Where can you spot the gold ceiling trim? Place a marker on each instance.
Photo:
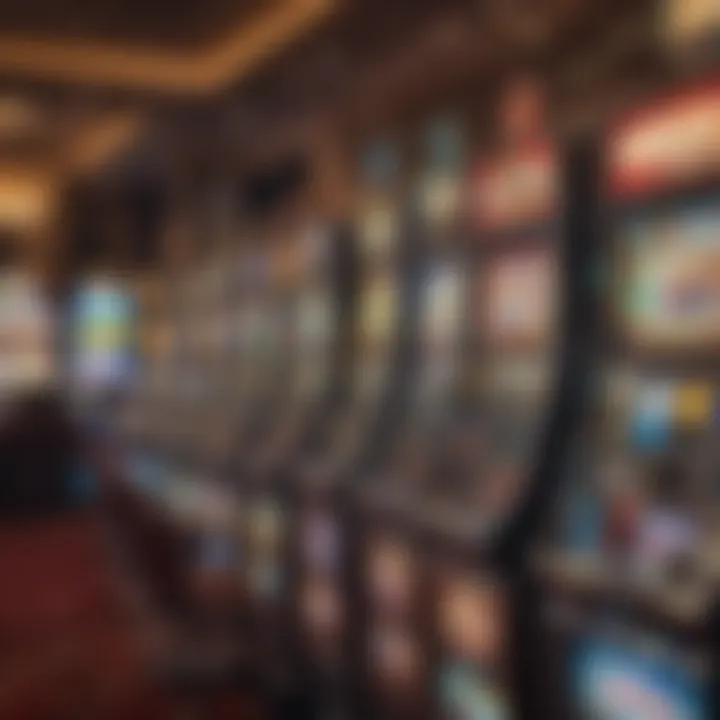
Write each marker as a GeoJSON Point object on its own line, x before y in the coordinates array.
{"type": "Point", "coordinates": [190, 72]}
{"type": "Point", "coordinates": [103, 140]}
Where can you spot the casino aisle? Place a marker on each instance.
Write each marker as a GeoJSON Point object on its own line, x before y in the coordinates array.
{"type": "Point", "coordinates": [358, 360]}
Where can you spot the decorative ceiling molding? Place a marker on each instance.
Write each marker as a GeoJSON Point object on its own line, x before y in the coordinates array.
{"type": "Point", "coordinates": [96, 145]}
{"type": "Point", "coordinates": [191, 72]}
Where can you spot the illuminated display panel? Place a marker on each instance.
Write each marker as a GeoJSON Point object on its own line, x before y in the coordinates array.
{"type": "Point", "coordinates": [103, 348]}
{"type": "Point", "coordinates": [638, 502]}
{"type": "Point", "coordinates": [668, 143]}
{"type": "Point", "coordinates": [266, 526]}
{"type": "Point", "coordinates": [396, 656]}
{"type": "Point", "coordinates": [321, 541]}
{"type": "Point", "coordinates": [472, 618]}
{"type": "Point", "coordinates": [391, 574]}
{"type": "Point", "coordinates": [444, 299]}
{"type": "Point", "coordinates": [441, 331]}
{"type": "Point", "coordinates": [616, 682]}
{"type": "Point", "coordinates": [314, 334]}
{"type": "Point", "coordinates": [323, 610]}
{"type": "Point", "coordinates": [671, 279]}
{"type": "Point", "coordinates": [518, 295]}
{"type": "Point", "coordinates": [378, 229]}
{"type": "Point", "coordinates": [515, 192]}
{"type": "Point", "coordinates": [379, 310]}
{"type": "Point", "coordinates": [441, 198]}
{"type": "Point", "coordinates": [314, 319]}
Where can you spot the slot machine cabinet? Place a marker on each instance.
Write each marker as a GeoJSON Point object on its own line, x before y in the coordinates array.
{"type": "Point", "coordinates": [494, 447]}
{"type": "Point", "coordinates": [144, 441]}
{"type": "Point", "coordinates": [272, 351]}
{"type": "Point", "coordinates": [307, 263]}
{"type": "Point", "coordinates": [394, 645]}
{"type": "Point", "coordinates": [248, 339]}
{"type": "Point", "coordinates": [264, 517]}
{"type": "Point", "coordinates": [456, 610]}
{"type": "Point", "coordinates": [252, 333]}
{"type": "Point", "coordinates": [628, 559]}
{"type": "Point", "coordinates": [323, 550]}
{"type": "Point", "coordinates": [211, 531]}
{"type": "Point", "coordinates": [312, 262]}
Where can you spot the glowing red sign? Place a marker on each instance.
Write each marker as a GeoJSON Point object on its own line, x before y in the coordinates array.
{"type": "Point", "coordinates": [671, 142]}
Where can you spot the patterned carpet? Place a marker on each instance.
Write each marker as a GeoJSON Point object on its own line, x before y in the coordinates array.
{"type": "Point", "coordinates": [69, 647]}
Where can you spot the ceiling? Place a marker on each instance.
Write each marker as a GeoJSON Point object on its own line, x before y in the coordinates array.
{"type": "Point", "coordinates": [82, 80]}
{"type": "Point", "coordinates": [171, 25]}
{"type": "Point", "coordinates": [85, 82]}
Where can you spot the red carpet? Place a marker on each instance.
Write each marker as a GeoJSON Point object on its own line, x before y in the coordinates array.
{"type": "Point", "coordinates": [68, 649]}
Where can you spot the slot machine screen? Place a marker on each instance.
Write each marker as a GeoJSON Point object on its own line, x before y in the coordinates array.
{"type": "Point", "coordinates": [378, 230]}
{"type": "Point", "coordinates": [392, 576]}
{"type": "Point", "coordinates": [266, 532]}
{"type": "Point", "coordinates": [614, 681]}
{"type": "Point", "coordinates": [103, 321]}
{"type": "Point", "coordinates": [396, 656]}
{"type": "Point", "coordinates": [322, 603]}
{"type": "Point", "coordinates": [516, 193]}
{"type": "Point", "coordinates": [444, 297]}
{"type": "Point", "coordinates": [315, 319]}
{"type": "Point", "coordinates": [671, 280]}
{"type": "Point", "coordinates": [379, 310]}
{"type": "Point", "coordinates": [314, 324]}
{"type": "Point", "coordinates": [321, 541]}
{"type": "Point", "coordinates": [272, 330]}
{"type": "Point", "coordinates": [378, 313]}
{"type": "Point", "coordinates": [323, 609]}
{"type": "Point", "coordinates": [472, 618]}
{"type": "Point", "coordinates": [518, 293]}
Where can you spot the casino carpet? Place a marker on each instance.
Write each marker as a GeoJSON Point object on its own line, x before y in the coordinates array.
{"type": "Point", "coordinates": [69, 646]}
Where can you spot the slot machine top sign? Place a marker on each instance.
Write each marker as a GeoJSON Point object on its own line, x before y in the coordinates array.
{"type": "Point", "coordinates": [378, 223]}
{"type": "Point", "coordinates": [668, 143]}
{"type": "Point", "coordinates": [519, 186]}
{"type": "Point", "coordinates": [441, 187]}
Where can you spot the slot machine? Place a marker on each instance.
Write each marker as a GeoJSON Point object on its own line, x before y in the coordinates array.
{"type": "Point", "coordinates": [306, 273]}
{"type": "Point", "coordinates": [268, 334]}
{"type": "Point", "coordinates": [628, 560]}
{"type": "Point", "coordinates": [310, 261]}
{"type": "Point", "coordinates": [393, 648]}
{"type": "Point", "coordinates": [441, 590]}
{"type": "Point", "coordinates": [210, 508]}
{"type": "Point", "coordinates": [142, 441]}
{"type": "Point", "coordinates": [267, 343]}
{"type": "Point", "coordinates": [322, 553]}
{"type": "Point", "coordinates": [497, 438]}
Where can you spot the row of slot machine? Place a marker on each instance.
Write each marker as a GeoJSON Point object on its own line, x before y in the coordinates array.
{"type": "Point", "coordinates": [224, 344]}
{"type": "Point", "coordinates": [423, 513]}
